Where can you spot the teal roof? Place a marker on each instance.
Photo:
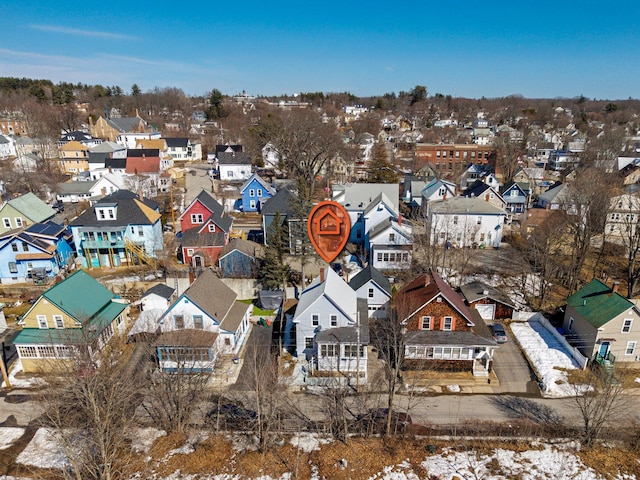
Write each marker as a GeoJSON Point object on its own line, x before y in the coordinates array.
{"type": "Point", "coordinates": [32, 207]}
{"type": "Point", "coordinates": [71, 336]}
{"type": "Point", "coordinates": [598, 304]}
{"type": "Point", "coordinates": [80, 295]}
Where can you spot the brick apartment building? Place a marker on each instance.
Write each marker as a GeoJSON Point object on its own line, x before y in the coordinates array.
{"type": "Point", "coordinates": [451, 160]}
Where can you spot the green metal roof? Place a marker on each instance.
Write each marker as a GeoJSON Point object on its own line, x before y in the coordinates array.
{"type": "Point", "coordinates": [80, 295]}
{"type": "Point", "coordinates": [32, 207]}
{"type": "Point", "coordinates": [71, 336]}
{"type": "Point", "coordinates": [597, 303]}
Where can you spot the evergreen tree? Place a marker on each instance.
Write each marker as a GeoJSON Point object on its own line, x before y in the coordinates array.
{"type": "Point", "coordinates": [274, 271]}
{"type": "Point", "coordinates": [380, 170]}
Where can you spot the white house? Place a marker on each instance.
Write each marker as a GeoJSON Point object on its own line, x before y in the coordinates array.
{"type": "Point", "coordinates": [389, 245]}
{"type": "Point", "coordinates": [332, 327]}
{"type": "Point", "coordinates": [372, 286]}
{"type": "Point", "coordinates": [74, 192]}
{"type": "Point", "coordinates": [27, 163]}
{"type": "Point", "coordinates": [7, 146]}
{"type": "Point", "coordinates": [204, 322]}
{"type": "Point", "coordinates": [184, 149]}
{"type": "Point", "coordinates": [466, 222]}
{"type": "Point", "coordinates": [234, 166]}
{"type": "Point", "coordinates": [622, 220]}
{"type": "Point", "coordinates": [131, 139]}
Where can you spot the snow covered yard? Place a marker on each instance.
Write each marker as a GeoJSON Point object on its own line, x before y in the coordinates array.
{"type": "Point", "coordinates": [547, 356]}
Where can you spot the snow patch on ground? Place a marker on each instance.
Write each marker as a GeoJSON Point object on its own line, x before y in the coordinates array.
{"type": "Point", "coordinates": [308, 442]}
{"type": "Point", "coordinates": [10, 435]}
{"type": "Point", "coordinates": [547, 463]}
{"type": "Point", "coordinates": [44, 451]}
{"type": "Point", "coordinates": [143, 438]}
{"type": "Point", "coordinates": [453, 388]}
{"type": "Point", "coordinates": [16, 368]}
{"type": "Point", "coordinates": [547, 355]}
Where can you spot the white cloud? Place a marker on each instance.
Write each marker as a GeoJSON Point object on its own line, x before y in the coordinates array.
{"type": "Point", "coordinates": [84, 33]}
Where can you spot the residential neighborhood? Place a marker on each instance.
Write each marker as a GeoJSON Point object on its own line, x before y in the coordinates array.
{"type": "Point", "coordinates": [488, 253]}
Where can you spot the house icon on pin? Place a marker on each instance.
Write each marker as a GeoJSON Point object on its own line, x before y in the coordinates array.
{"type": "Point", "coordinates": [328, 223]}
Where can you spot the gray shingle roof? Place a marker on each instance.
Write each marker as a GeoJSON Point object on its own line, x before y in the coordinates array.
{"type": "Point", "coordinates": [162, 290]}
{"type": "Point", "coordinates": [370, 273]}
{"type": "Point", "coordinates": [474, 291]}
{"type": "Point", "coordinates": [449, 338]}
{"type": "Point", "coordinates": [280, 202]}
{"type": "Point", "coordinates": [464, 205]}
{"type": "Point", "coordinates": [234, 158]}
{"type": "Point", "coordinates": [211, 294]}
{"type": "Point", "coordinates": [129, 212]}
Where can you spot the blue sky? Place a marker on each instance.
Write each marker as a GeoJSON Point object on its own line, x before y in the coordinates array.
{"type": "Point", "coordinates": [463, 48]}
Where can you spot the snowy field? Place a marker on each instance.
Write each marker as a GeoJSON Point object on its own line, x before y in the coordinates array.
{"type": "Point", "coordinates": [547, 355]}
{"type": "Point", "coordinates": [542, 462]}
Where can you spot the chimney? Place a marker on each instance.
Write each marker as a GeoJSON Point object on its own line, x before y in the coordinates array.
{"type": "Point", "coordinates": [321, 275]}
{"type": "Point", "coordinates": [615, 286]}
{"type": "Point", "coordinates": [400, 220]}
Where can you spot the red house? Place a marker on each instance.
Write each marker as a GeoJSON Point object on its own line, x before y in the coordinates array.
{"type": "Point", "coordinates": [205, 231]}
{"type": "Point", "coordinates": [199, 210]}
{"type": "Point", "coordinates": [441, 330]}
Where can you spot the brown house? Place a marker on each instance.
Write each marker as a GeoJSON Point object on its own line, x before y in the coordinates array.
{"type": "Point", "coordinates": [441, 330]}
{"type": "Point", "coordinates": [490, 302]}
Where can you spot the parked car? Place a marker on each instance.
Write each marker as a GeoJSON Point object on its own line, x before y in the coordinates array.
{"type": "Point", "coordinates": [232, 412]}
{"type": "Point", "coordinates": [499, 334]}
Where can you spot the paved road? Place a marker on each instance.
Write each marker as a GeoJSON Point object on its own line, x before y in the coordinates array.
{"type": "Point", "coordinates": [198, 182]}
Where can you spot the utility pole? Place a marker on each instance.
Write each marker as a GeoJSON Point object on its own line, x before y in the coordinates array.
{"type": "Point", "coordinates": [4, 369]}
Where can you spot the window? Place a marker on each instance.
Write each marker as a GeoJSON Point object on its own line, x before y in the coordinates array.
{"type": "Point", "coordinates": [25, 247]}
{"type": "Point", "coordinates": [28, 352]}
{"type": "Point", "coordinates": [334, 320]}
{"type": "Point", "coordinates": [447, 324]}
{"type": "Point", "coordinates": [13, 267]}
{"type": "Point", "coordinates": [626, 326]}
{"type": "Point", "coordinates": [426, 323]}
{"type": "Point", "coordinates": [14, 247]}
{"type": "Point", "coordinates": [140, 231]}
{"type": "Point", "coordinates": [6, 222]}
{"type": "Point", "coordinates": [42, 321]}
{"type": "Point", "coordinates": [329, 350]}
{"type": "Point", "coordinates": [455, 219]}
{"type": "Point", "coordinates": [315, 320]}
{"type": "Point", "coordinates": [252, 192]}
{"type": "Point", "coordinates": [58, 321]}
{"type": "Point", "coordinates": [197, 218]}
{"type": "Point", "coordinates": [570, 325]}
{"type": "Point", "coordinates": [392, 237]}
{"type": "Point", "coordinates": [631, 348]}
{"type": "Point", "coordinates": [101, 214]}
{"type": "Point", "coordinates": [379, 256]}
{"type": "Point", "coordinates": [308, 342]}
{"type": "Point", "coordinates": [259, 192]}
{"type": "Point", "coordinates": [479, 222]}
{"type": "Point", "coordinates": [212, 228]}
{"type": "Point", "coordinates": [179, 319]}
{"type": "Point", "coordinates": [18, 221]}
{"type": "Point", "coordinates": [252, 204]}
{"type": "Point", "coordinates": [111, 213]}
{"type": "Point", "coordinates": [371, 293]}
{"type": "Point", "coordinates": [198, 322]}
{"type": "Point", "coordinates": [350, 350]}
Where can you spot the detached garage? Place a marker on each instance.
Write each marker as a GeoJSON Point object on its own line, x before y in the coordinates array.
{"type": "Point", "coordinates": [491, 303]}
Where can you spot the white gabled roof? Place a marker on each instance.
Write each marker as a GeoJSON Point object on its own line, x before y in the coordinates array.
{"type": "Point", "coordinates": [336, 290]}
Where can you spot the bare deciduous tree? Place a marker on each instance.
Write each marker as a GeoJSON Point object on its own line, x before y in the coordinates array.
{"type": "Point", "coordinates": [91, 408]}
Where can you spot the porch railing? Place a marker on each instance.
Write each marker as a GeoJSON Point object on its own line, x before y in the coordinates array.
{"type": "Point", "coordinates": [607, 359]}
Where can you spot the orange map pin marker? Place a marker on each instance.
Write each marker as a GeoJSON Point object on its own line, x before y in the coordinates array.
{"type": "Point", "coordinates": [328, 226]}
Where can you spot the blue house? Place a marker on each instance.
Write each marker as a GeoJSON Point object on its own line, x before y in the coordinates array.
{"type": "Point", "coordinates": [516, 195]}
{"type": "Point", "coordinates": [255, 191]}
{"type": "Point", "coordinates": [238, 259]}
{"type": "Point", "coordinates": [122, 228]}
{"type": "Point", "coordinates": [37, 253]}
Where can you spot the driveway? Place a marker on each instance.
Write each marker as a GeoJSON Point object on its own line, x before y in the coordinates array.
{"type": "Point", "coordinates": [512, 369]}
